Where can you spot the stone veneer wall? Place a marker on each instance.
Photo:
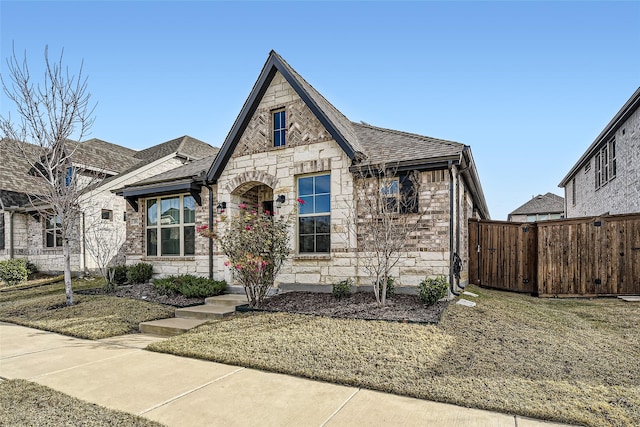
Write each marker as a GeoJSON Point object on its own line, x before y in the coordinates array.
{"type": "Point", "coordinates": [618, 196]}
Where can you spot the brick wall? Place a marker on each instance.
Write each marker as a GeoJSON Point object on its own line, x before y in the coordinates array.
{"type": "Point", "coordinates": [620, 195]}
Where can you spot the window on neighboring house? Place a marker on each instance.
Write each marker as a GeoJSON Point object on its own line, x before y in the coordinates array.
{"type": "Point", "coordinates": [279, 128]}
{"type": "Point", "coordinates": [573, 191]}
{"type": "Point", "coordinates": [606, 167]}
{"type": "Point", "coordinates": [1, 230]}
{"type": "Point", "coordinates": [53, 231]}
{"type": "Point", "coordinates": [170, 226]}
{"type": "Point", "coordinates": [107, 214]}
{"type": "Point", "coordinates": [314, 214]}
{"type": "Point", "coordinates": [68, 178]}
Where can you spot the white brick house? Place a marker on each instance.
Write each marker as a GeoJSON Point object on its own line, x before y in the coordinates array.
{"type": "Point", "coordinates": [606, 178]}
{"type": "Point", "coordinates": [24, 233]}
{"type": "Point", "coordinates": [289, 142]}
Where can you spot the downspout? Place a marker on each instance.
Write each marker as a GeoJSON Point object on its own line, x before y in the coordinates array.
{"type": "Point", "coordinates": [210, 228]}
{"type": "Point", "coordinates": [451, 224]}
{"type": "Point", "coordinates": [11, 250]}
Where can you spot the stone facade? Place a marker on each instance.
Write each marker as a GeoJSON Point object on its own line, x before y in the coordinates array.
{"type": "Point", "coordinates": [622, 193]}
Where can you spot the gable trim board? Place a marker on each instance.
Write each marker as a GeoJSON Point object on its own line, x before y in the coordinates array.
{"type": "Point", "coordinates": [275, 63]}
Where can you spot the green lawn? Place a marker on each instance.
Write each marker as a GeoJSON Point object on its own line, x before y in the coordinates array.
{"type": "Point", "coordinates": [571, 361]}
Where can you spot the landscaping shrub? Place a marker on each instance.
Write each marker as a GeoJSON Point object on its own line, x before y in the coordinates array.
{"type": "Point", "coordinates": [13, 271]}
{"type": "Point", "coordinates": [120, 274]}
{"type": "Point", "coordinates": [342, 288]}
{"type": "Point", "coordinates": [190, 286]}
{"type": "Point", "coordinates": [31, 269]}
{"type": "Point", "coordinates": [431, 290]}
{"type": "Point", "coordinates": [140, 272]}
{"type": "Point", "coordinates": [391, 288]}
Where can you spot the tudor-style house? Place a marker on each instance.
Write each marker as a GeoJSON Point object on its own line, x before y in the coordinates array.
{"type": "Point", "coordinates": [606, 178]}
{"type": "Point", "coordinates": [289, 143]}
{"type": "Point", "coordinates": [26, 233]}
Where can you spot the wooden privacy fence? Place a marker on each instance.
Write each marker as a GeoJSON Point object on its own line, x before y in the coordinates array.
{"type": "Point", "coordinates": [595, 256]}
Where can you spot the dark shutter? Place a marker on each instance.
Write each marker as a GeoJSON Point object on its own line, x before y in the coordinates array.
{"type": "Point", "coordinates": [408, 196]}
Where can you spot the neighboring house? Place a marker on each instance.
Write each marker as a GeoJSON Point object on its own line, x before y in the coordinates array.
{"type": "Point", "coordinates": [26, 234]}
{"type": "Point", "coordinates": [606, 179]}
{"type": "Point", "coordinates": [288, 142]}
{"type": "Point", "coordinates": [539, 208]}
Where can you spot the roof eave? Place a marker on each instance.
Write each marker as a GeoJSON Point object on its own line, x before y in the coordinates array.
{"type": "Point", "coordinates": [612, 127]}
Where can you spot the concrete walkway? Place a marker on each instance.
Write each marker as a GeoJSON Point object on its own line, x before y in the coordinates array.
{"type": "Point", "coordinates": [117, 373]}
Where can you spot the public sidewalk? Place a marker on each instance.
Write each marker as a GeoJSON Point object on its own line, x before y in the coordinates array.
{"type": "Point", "coordinates": [117, 373]}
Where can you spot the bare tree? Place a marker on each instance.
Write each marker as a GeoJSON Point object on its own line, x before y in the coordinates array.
{"type": "Point", "coordinates": [103, 242]}
{"type": "Point", "coordinates": [51, 113]}
{"type": "Point", "coordinates": [385, 216]}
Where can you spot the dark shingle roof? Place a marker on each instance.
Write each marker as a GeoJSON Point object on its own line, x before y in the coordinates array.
{"type": "Point", "coordinates": [14, 169]}
{"type": "Point", "coordinates": [386, 145]}
{"type": "Point", "coordinates": [541, 204]}
{"type": "Point", "coordinates": [189, 170]}
{"type": "Point", "coordinates": [185, 145]}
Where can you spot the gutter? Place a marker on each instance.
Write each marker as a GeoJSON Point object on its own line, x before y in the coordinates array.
{"type": "Point", "coordinates": [451, 224]}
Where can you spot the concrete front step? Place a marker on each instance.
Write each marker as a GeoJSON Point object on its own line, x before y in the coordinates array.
{"type": "Point", "coordinates": [169, 327]}
{"type": "Point", "coordinates": [233, 300]}
{"type": "Point", "coordinates": [207, 311]}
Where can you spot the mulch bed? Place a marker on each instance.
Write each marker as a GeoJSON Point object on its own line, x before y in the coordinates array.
{"type": "Point", "coordinates": [359, 305]}
{"type": "Point", "coordinates": [147, 292]}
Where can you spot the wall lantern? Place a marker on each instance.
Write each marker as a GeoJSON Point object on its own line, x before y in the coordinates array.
{"type": "Point", "coordinates": [221, 207]}
{"type": "Point", "coordinates": [280, 200]}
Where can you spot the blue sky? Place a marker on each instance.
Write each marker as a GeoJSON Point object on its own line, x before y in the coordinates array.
{"type": "Point", "coordinates": [528, 85]}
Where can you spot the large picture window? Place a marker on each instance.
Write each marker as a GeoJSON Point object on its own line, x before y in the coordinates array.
{"type": "Point", "coordinates": [52, 231]}
{"type": "Point", "coordinates": [314, 215]}
{"type": "Point", "coordinates": [170, 226]}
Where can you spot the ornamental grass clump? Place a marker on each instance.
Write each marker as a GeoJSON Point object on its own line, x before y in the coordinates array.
{"type": "Point", "coordinates": [256, 244]}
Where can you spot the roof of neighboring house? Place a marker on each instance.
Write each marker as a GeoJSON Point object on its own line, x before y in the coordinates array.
{"type": "Point", "coordinates": [186, 146]}
{"type": "Point", "coordinates": [541, 204]}
{"type": "Point", "coordinates": [612, 127]}
{"type": "Point", "coordinates": [16, 181]}
{"type": "Point", "coordinates": [196, 168]}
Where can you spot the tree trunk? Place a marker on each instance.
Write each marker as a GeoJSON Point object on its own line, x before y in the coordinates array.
{"type": "Point", "coordinates": [67, 272]}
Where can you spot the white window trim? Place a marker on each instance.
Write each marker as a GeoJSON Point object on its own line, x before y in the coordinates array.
{"type": "Point", "coordinates": [54, 230]}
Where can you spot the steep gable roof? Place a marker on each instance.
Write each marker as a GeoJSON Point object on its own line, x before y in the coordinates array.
{"type": "Point", "coordinates": [338, 126]}
{"type": "Point", "coordinates": [547, 203]}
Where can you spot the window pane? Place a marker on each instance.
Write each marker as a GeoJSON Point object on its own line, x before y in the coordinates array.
{"type": "Point", "coordinates": [170, 211]}
{"type": "Point", "coordinates": [306, 225]}
{"type": "Point", "coordinates": [305, 186]}
{"type": "Point", "coordinates": [189, 210]}
{"type": "Point", "coordinates": [152, 212]}
{"type": "Point", "coordinates": [323, 184]}
{"type": "Point", "coordinates": [58, 222]}
{"type": "Point", "coordinates": [152, 242]}
{"type": "Point", "coordinates": [170, 242]}
{"type": "Point", "coordinates": [49, 223]}
{"type": "Point", "coordinates": [276, 139]}
{"type": "Point", "coordinates": [49, 237]}
{"type": "Point", "coordinates": [59, 238]}
{"type": "Point", "coordinates": [323, 224]}
{"type": "Point", "coordinates": [189, 240]}
{"type": "Point", "coordinates": [323, 203]}
{"type": "Point", "coordinates": [307, 206]}
{"type": "Point", "coordinates": [306, 244]}
{"type": "Point", "coordinates": [323, 243]}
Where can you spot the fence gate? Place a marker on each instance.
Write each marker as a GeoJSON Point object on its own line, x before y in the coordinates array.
{"type": "Point", "coordinates": [503, 255]}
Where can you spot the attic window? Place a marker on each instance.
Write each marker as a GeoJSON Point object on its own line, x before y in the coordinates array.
{"type": "Point", "coordinates": [107, 214]}
{"type": "Point", "coordinates": [279, 128]}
